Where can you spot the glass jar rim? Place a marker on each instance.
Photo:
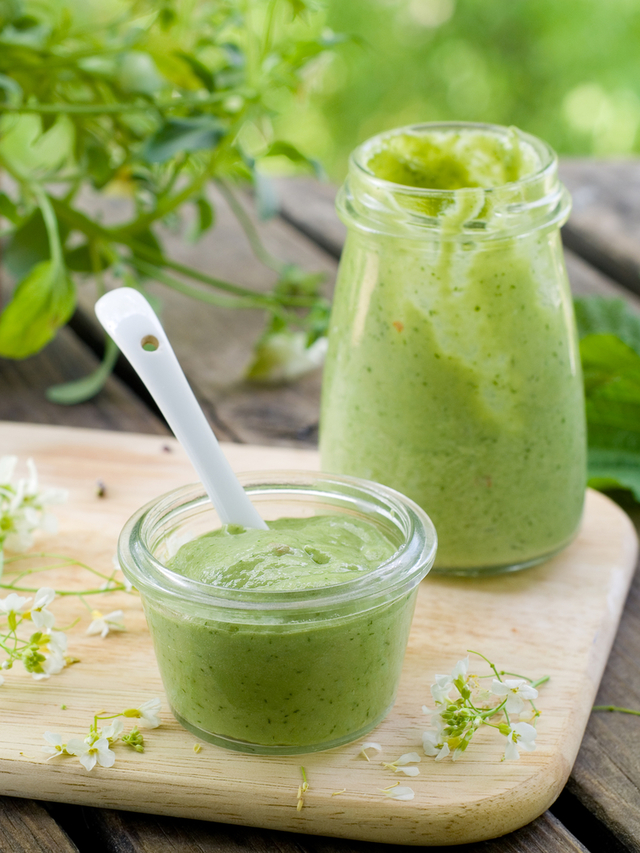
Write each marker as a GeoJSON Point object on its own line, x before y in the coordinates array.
{"type": "Point", "coordinates": [548, 157]}
{"type": "Point", "coordinates": [538, 201]}
{"type": "Point", "coordinates": [400, 573]}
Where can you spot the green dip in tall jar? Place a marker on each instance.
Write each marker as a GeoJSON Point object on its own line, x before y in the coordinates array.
{"type": "Point", "coordinates": [453, 373]}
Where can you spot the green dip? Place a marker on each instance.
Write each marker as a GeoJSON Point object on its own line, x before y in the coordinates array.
{"type": "Point", "coordinates": [305, 681]}
{"type": "Point", "coordinates": [452, 373]}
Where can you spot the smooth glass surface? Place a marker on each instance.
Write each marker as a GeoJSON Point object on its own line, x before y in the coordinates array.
{"type": "Point", "coordinates": [453, 373]}
{"type": "Point", "coordinates": [282, 672]}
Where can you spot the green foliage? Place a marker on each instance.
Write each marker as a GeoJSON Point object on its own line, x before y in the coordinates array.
{"type": "Point", "coordinates": [566, 71]}
{"type": "Point", "coordinates": [610, 353]}
{"type": "Point", "coordinates": [42, 302]}
{"type": "Point", "coordinates": [152, 100]}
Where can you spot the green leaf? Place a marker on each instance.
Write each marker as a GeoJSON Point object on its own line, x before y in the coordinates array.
{"type": "Point", "coordinates": [205, 217]}
{"type": "Point", "coordinates": [88, 386]}
{"type": "Point", "coordinates": [610, 353]}
{"type": "Point", "coordinates": [9, 209]}
{"type": "Point", "coordinates": [32, 153]}
{"type": "Point", "coordinates": [610, 468]}
{"type": "Point", "coordinates": [41, 303]}
{"type": "Point", "coordinates": [11, 90]}
{"type": "Point", "coordinates": [598, 315]}
{"type": "Point", "coordinates": [80, 260]}
{"type": "Point", "coordinates": [27, 246]}
{"type": "Point", "coordinates": [294, 155]}
{"type": "Point", "coordinates": [185, 134]}
{"type": "Point", "coordinates": [200, 70]}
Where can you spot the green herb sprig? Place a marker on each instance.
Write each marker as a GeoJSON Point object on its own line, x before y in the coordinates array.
{"type": "Point", "coordinates": [151, 99]}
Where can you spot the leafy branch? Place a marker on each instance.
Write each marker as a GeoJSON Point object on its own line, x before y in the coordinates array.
{"type": "Point", "coordinates": [156, 104]}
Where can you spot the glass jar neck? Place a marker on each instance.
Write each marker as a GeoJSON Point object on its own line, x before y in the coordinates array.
{"type": "Point", "coordinates": [535, 200]}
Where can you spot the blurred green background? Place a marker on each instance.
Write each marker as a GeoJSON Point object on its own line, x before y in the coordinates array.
{"type": "Point", "coordinates": [565, 70]}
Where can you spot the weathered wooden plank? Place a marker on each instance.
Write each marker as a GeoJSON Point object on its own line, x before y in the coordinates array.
{"type": "Point", "coordinates": [23, 385]}
{"type": "Point", "coordinates": [214, 344]}
{"type": "Point", "coordinates": [25, 827]}
{"type": "Point", "coordinates": [309, 206]}
{"type": "Point", "coordinates": [606, 775]}
{"type": "Point", "coordinates": [604, 227]}
{"type": "Point", "coordinates": [122, 832]}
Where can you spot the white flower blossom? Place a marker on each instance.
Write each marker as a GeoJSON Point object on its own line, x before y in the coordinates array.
{"type": "Point", "coordinates": [400, 764]}
{"type": "Point", "coordinates": [103, 624]}
{"type": "Point", "coordinates": [42, 618]}
{"type": "Point", "coordinates": [283, 356]}
{"type": "Point", "coordinates": [441, 689]}
{"type": "Point", "coordinates": [400, 792]}
{"type": "Point", "coordinates": [516, 690]}
{"type": "Point", "coordinates": [521, 735]}
{"type": "Point", "coordinates": [369, 745]}
{"type": "Point", "coordinates": [147, 713]}
{"type": "Point", "coordinates": [23, 506]}
{"type": "Point", "coordinates": [90, 754]}
{"type": "Point", "coordinates": [55, 745]}
{"type": "Point", "coordinates": [113, 731]}
{"type": "Point", "coordinates": [13, 603]}
{"type": "Point", "coordinates": [54, 648]}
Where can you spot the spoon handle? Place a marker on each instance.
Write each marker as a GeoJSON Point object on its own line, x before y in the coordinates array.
{"type": "Point", "coordinates": [132, 323]}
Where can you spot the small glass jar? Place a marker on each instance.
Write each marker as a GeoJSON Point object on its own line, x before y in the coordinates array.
{"type": "Point", "coordinates": [279, 673]}
{"type": "Point", "coordinates": [453, 373]}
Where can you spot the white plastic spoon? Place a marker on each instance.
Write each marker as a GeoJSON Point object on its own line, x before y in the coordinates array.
{"type": "Point", "coordinates": [132, 323]}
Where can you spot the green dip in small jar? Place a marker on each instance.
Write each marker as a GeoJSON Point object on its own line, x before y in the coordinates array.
{"type": "Point", "coordinates": [289, 640]}
{"type": "Point", "coordinates": [453, 373]}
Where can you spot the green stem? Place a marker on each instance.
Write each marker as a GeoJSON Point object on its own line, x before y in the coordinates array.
{"type": "Point", "coordinates": [616, 708]}
{"type": "Point", "coordinates": [51, 224]}
{"type": "Point", "coordinates": [117, 108]}
{"type": "Point", "coordinates": [203, 295]}
{"type": "Point", "coordinates": [251, 232]}
{"type": "Point", "coordinates": [471, 652]}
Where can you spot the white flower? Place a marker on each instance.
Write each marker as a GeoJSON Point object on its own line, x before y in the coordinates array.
{"type": "Point", "coordinates": [56, 746]}
{"type": "Point", "coordinates": [435, 745]}
{"type": "Point", "coordinates": [113, 731]}
{"type": "Point", "coordinates": [461, 668]}
{"type": "Point", "coordinates": [400, 792]}
{"type": "Point", "coordinates": [23, 507]}
{"type": "Point", "coordinates": [283, 356]}
{"type": "Point", "coordinates": [516, 690]}
{"type": "Point", "coordinates": [399, 766]}
{"type": "Point", "coordinates": [90, 754]}
{"type": "Point", "coordinates": [13, 603]}
{"type": "Point", "coordinates": [7, 467]}
{"type": "Point", "coordinates": [520, 735]}
{"type": "Point", "coordinates": [440, 690]}
{"type": "Point", "coordinates": [369, 745]}
{"type": "Point", "coordinates": [55, 648]}
{"type": "Point", "coordinates": [40, 616]}
{"type": "Point", "coordinates": [103, 624]}
{"type": "Point", "coordinates": [147, 713]}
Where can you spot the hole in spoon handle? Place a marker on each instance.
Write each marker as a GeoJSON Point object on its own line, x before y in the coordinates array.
{"type": "Point", "coordinates": [149, 343]}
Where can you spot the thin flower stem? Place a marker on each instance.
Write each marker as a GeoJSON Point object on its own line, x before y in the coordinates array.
{"type": "Point", "coordinates": [64, 592]}
{"type": "Point", "coordinates": [616, 708]}
{"type": "Point", "coordinates": [471, 652]}
{"type": "Point", "coordinates": [540, 681]}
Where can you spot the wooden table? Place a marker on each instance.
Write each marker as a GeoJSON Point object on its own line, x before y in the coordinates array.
{"type": "Point", "coordinates": [599, 810]}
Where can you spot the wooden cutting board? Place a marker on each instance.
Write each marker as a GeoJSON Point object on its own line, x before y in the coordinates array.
{"type": "Point", "coordinates": [558, 619]}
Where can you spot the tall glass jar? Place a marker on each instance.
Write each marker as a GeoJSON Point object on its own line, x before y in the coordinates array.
{"type": "Point", "coordinates": [453, 373]}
